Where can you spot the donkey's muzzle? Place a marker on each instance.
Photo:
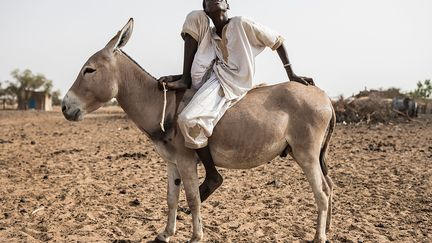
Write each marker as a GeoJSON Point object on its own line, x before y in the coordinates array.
{"type": "Point", "coordinates": [71, 114]}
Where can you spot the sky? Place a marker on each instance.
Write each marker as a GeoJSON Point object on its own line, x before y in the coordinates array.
{"type": "Point", "coordinates": [345, 45]}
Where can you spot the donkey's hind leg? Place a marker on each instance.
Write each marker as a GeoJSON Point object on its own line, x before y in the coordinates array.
{"type": "Point", "coordinates": [329, 210]}
{"type": "Point", "coordinates": [321, 190]}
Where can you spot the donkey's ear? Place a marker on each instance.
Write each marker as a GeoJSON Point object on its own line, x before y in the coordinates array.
{"type": "Point", "coordinates": [122, 36]}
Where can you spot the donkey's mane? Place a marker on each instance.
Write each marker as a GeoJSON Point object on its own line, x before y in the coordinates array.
{"type": "Point", "coordinates": [136, 63]}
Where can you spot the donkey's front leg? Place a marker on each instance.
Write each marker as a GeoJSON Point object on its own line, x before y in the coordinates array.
{"type": "Point", "coordinates": [189, 174]}
{"type": "Point", "coordinates": [172, 198]}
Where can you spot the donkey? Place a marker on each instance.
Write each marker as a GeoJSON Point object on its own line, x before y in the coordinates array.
{"type": "Point", "coordinates": [288, 118]}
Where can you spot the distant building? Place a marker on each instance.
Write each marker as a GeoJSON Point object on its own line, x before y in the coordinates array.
{"type": "Point", "coordinates": [39, 100]}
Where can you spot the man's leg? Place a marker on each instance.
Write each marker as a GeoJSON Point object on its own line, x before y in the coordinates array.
{"type": "Point", "coordinates": [196, 122]}
{"type": "Point", "coordinates": [213, 179]}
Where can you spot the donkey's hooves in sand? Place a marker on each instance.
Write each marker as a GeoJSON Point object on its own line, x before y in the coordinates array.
{"type": "Point", "coordinates": [157, 241]}
{"type": "Point", "coordinates": [312, 241]}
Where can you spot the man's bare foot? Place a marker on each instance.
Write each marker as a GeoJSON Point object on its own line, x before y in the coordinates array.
{"type": "Point", "coordinates": [210, 184]}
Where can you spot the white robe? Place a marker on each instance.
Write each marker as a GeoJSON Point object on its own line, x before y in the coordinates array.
{"type": "Point", "coordinates": [223, 70]}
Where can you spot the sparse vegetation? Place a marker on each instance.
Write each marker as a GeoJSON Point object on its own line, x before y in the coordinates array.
{"type": "Point", "coordinates": [423, 90]}
{"type": "Point", "coordinates": [389, 93]}
{"type": "Point", "coordinates": [2, 91]}
{"type": "Point", "coordinates": [56, 97]}
{"type": "Point", "coordinates": [383, 105]}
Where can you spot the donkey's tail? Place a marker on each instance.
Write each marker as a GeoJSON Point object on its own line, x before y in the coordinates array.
{"type": "Point", "coordinates": [324, 148]}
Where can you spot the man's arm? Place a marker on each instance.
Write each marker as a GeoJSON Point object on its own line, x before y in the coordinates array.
{"type": "Point", "coordinates": [183, 81]}
{"type": "Point", "coordinates": [281, 50]}
{"type": "Point", "coordinates": [190, 49]}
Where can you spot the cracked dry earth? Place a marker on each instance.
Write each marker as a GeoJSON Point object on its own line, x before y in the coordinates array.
{"type": "Point", "coordinates": [100, 180]}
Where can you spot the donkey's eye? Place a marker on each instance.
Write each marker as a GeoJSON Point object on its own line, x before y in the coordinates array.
{"type": "Point", "coordinates": [88, 70]}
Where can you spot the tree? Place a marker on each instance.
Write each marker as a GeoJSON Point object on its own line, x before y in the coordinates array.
{"type": "Point", "coordinates": [2, 91]}
{"type": "Point", "coordinates": [6, 96]}
{"type": "Point", "coordinates": [24, 83]}
{"type": "Point", "coordinates": [423, 90]}
{"type": "Point", "coordinates": [56, 97]}
{"type": "Point", "coordinates": [2, 94]}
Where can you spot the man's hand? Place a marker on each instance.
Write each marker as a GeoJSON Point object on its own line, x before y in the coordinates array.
{"type": "Point", "coordinates": [172, 82]}
{"type": "Point", "coordinates": [169, 78]}
{"type": "Point", "coordinates": [303, 80]}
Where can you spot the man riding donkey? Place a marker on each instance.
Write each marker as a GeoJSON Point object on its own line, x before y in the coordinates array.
{"type": "Point", "coordinates": [219, 62]}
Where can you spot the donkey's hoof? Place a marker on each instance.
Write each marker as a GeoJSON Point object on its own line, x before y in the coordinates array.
{"type": "Point", "coordinates": [314, 241]}
{"type": "Point", "coordinates": [157, 240]}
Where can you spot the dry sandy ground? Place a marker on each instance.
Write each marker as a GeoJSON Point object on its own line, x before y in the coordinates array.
{"type": "Point", "coordinates": [101, 181]}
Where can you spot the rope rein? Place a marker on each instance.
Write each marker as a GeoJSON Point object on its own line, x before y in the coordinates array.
{"type": "Point", "coordinates": [164, 107]}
